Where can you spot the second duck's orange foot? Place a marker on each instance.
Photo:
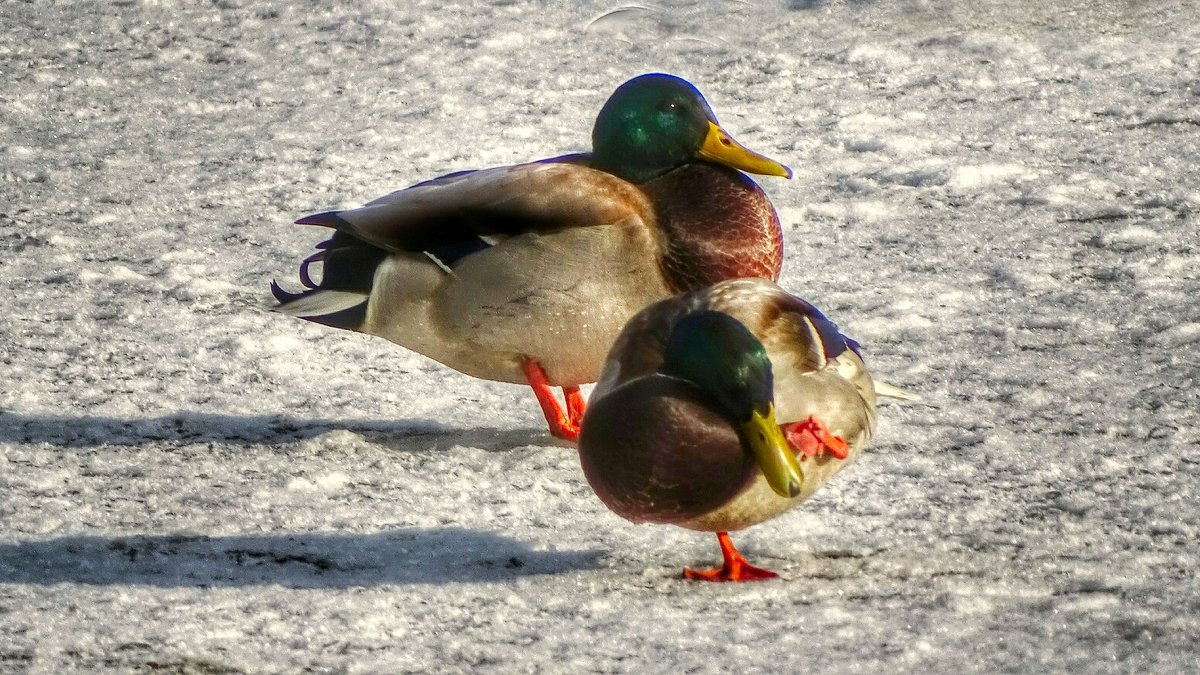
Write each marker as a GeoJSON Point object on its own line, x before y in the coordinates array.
{"type": "Point", "coordinates": [811, 437]}
{"type": "Point", "coordinates": [736, 568]}
{"type": "Point", "coordinates": [562, 424]}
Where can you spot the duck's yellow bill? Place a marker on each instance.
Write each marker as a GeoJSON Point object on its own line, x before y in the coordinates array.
{"type": "Point", "coordinates": [775, 457]}
{"type": "Point", "coordinates": [720, 147]}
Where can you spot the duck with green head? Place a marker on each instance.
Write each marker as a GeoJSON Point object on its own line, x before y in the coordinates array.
{"type": "Point", "coordinates": [722, 408]}
{"type": "Point", "coordinates": [526, 273]}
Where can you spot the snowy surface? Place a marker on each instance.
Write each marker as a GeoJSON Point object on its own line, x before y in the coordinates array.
{"type": "Point", "coordinates": [1000, 200]}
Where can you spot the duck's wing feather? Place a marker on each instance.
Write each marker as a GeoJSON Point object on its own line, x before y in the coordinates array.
{"type": "Point", "coordinates": [462, 212]}
{"type": "Point", "coordinates": [892, 391]}
{"type": "Point", "coordinates": [816, 341]}
{"type": "Point", "coordinates": [794, 324]}
{"type": "Point", "coordinates": [786, 324]}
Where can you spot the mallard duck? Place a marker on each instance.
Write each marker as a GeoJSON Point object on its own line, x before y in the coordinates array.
{"type": "Point", "coordinates": [526, 273]}
{"type": "Point", "coordinates": [723, 408]}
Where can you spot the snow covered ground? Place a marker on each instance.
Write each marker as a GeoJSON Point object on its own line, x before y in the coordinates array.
{"type": "Point", "coordinates": [1000, 200]}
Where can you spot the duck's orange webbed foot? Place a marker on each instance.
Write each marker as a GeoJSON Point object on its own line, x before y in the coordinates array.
{"type": "Point", "coordinates": [812, 438]}
{"type": "Point", "coordinates": [564, 425]}
{"type": "Point", "coordinates": [736, 568]}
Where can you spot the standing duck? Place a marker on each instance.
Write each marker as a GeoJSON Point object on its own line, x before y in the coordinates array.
{"type": "Point", "coordinates": [723, 408]}
{"type": "Point", "coordinates": [526, 273]}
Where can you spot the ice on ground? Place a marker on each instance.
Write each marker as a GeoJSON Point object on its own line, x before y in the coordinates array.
{"type": "Point", "coordinates": [999, 200]}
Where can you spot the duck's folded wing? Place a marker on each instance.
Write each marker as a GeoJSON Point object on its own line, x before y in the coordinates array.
{"type": "Point", "coordinates": [489, 205]}
{"type": "Point", "coordinates": [823, 342]}
{"type": "Point", "coordinates": [815, 339]}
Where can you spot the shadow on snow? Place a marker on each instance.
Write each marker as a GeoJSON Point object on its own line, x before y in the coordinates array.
{"type": "Point", "coordinates": [193, 427]}
{"type": "Point", "coordinates": [307, 560]}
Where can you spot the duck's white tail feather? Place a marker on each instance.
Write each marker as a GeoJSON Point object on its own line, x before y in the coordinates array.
{"type": "Point", "coordinates": [322, 303]}
{"type": "Point", "coordinates": [892, 391]}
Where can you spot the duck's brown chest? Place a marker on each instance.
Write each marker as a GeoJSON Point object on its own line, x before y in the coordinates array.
{"type": "Point", "coordinates": [718, 224]}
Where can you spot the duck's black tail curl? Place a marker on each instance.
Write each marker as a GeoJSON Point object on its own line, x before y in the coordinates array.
{"type": "Point", "coordinates": [340, 298]}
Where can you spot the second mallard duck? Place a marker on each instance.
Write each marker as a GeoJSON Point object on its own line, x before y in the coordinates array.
{"type": "Point", "coordinates": [526, 273]}
{"type": "Point", "coordinates": [723, 408]}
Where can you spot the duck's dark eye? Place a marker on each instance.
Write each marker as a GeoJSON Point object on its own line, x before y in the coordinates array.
{"type": "Point", "coordinates": [670, 108]}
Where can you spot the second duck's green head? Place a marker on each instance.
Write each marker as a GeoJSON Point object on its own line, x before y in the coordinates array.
{"type": "Point", "coordinates": [655, 123]}
{"type": "Point", "coordinates": [730, 367]}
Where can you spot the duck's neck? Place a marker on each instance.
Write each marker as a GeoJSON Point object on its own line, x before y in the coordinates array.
{"type": "Point", "coordinates": [719, 225]}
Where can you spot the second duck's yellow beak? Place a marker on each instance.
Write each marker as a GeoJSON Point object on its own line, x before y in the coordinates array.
{"type": "Point", "coordinates": [720, 147]}
{"type": "Point", "coordinates": [773, 453]}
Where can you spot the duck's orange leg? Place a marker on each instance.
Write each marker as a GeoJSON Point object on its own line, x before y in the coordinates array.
{"type": "Point", "coordinates": [575, 404]}
{"type": "Point", "coordinates": [735, 568]}
{"type": "Point", "coordinates": [811, 437]}
{"type": "Point", "coordinates": [562, 424]}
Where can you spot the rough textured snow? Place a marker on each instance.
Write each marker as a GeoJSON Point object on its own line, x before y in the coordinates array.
{"type": "Point", "coordinates": [999, 200]}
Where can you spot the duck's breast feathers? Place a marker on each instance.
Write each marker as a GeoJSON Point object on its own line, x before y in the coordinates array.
{"type": "Point", "coordinates": [719, 225]}
{"type": "Point", "coordinates": [630, 450]}
{"type": "Point", "coordinates": [479, 208]}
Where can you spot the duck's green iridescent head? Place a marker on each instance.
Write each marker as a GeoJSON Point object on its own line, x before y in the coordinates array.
{"type": "Point", "coordinates": [730, 367]}
{"type": "Point", "coordinates": [656, 122]}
